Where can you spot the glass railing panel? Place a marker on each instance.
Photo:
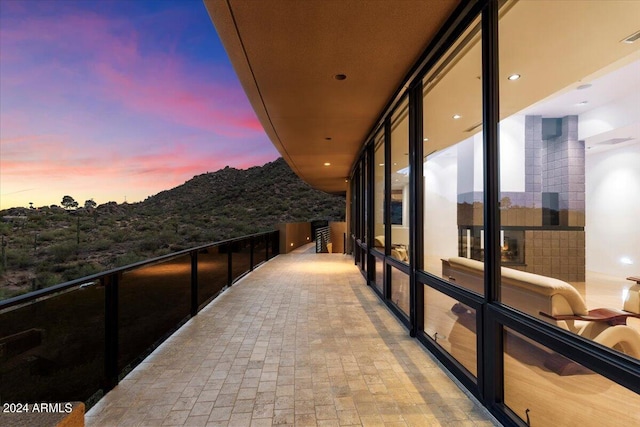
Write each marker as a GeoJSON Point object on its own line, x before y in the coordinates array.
{"type": "Point", "coordinates": [212, 273]}
{"type": "Point", "coordinates": [241, 262]}
{"type": "Point", "coordinates": [453, 327]}
{"type": "Point", "coordinates": [400, 290]}
{"type": "Point", "coordinates": [259, 250]}
{"type": "Point", "coordinates": [274, 244]}
{"type": "Point", "coordinates": [153, 301]}
{"type": "Point", "coordinates": [52, 350]}
{"type": "Point", "coordinates": [546, 389]}
{"type": "Point", "coordinates": [379, 274]}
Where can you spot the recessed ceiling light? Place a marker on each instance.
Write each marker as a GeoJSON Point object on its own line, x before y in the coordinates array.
{"type": "Point", "coordinates": [456, 116]}
{"type": "Point", "coordinates": [381, 164]}
{"type": "Point", "coordinates": [584, 86]}
{"type": "Point", "coordinates": [632, 38]}
{"type": "Point", "coordinates": [514, 77]}
{"type": "Point", "coordinates": [426, 139]}
{"type": "Point", "coordinates": [340, 77]}
{"type": "Point", "coordinates": [582, 103]}
{"type": "Point", "coordinates": [327, 164]}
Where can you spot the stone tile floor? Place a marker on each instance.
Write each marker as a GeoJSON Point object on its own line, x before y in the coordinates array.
{"type": "Point", "coordinates": [300, 341]}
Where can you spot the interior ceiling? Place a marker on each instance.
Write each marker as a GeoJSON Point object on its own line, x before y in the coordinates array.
{"type": "Point", "coordinates": [555, 46]}
{"type": "Point", "coordinates": [286, 54]}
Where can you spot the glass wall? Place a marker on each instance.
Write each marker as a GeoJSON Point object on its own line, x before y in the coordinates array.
{"type": "Point", "coordinates": [378, 196]}
{"type": "Point", "coordinates": [452, 325]}
{"type": "Point", "coordinates": [566, 187]}
{"type": "Point", "coordinates": [400, 203]}
{"type": "Point", "coordinates": [570, 166]}
{"type": "Point", "coordinates": [378, 274]}
{"type": "Point", "coordinates": [400, 290]}
{"type": "Point", "coordinates": [356, 224]}
{"type": "Point", "coordinates": [546, 389]}
{"type": "Point", "coordinates": [453, 164]}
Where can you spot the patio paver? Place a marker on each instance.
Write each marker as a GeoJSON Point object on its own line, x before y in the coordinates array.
{"type": "Point", "coordinates": [300, 341]}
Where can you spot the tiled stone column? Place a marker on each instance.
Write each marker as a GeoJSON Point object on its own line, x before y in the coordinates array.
{"type": "Point", "coordinates": [563, 172]}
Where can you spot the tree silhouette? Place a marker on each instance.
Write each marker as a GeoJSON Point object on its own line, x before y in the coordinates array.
{"type": "Point", "coordinates": [90, 204]}
{"type": "Point", "coordinates": [69, 203]}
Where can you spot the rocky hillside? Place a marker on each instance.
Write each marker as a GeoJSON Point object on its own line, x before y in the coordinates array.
{"type": "Point", "coordinates": [50, 245]}
{"type": "Point", "coordinates": [251, 200]}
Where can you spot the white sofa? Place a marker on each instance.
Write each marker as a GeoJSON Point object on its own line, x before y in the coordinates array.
{"type": "Point", "coordinates": [551, 300]}
{"type": "Point", "coordinates": [397, 251]}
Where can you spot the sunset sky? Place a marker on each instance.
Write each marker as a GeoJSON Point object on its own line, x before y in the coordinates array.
{"type": "Point", "coordinates": [116, 99]}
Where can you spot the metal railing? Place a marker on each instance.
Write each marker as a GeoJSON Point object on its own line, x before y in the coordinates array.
{"type": "Point", "coordinates": [76, 340]}
{"type": "Point", "coordinates": [323, 238]}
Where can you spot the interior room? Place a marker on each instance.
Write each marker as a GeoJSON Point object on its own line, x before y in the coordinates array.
{"type": "Point", "coordinates": [569, 140]}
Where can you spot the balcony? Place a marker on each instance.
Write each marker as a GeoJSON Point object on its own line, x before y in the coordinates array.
{"type": "Point", "coordinates": [299, 341]}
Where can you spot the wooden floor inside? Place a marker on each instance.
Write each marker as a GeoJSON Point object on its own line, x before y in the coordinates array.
{"type": "Point", "coordinates": [540, 384]}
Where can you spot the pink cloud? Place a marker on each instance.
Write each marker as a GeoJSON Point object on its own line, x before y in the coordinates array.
{"type": "Point", "coordinates": [153, 83]}
{"type": "Point", "coordinates": [84, 103]}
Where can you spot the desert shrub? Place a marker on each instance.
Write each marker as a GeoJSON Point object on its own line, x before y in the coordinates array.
{"type": "Point", "coordinates": [77, 271]}
{"type": "Point", "coordinates": [128, 258]}
{"type": "Point", "coordinates": [53, 235]}
{"type": "Point", "coordinates": [6, 293]}
{"type": "Point", "coordinates": [145, 226]}
{"type": "Point", "coordinates": [120, 235]}
{"type": "Point", "coordinates": [62, 252]}
{"type": "Point", "coordinates": [166, 251]}
{"type": "Point", "coordinates": [20, 258]}
{"type": "Point", "coordinates": [45, 279]}
{"type": "Point", "coordinates": [150, 243]}
{"type": "Point", "coordinates": [100, 245]}
{"type": "Point", "coordinates": [87, 225]}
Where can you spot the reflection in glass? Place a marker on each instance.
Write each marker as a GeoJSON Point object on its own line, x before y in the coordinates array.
{"type": "Point", "coordinates": [570, 165]}
{"type": "Point", "coordinates": [400, 201]}
{"type": "Point", "coordinates": [53, 350]}
{"type": "Point", "coordinates": [259, 250]}
{"type": "Point", "coordinates": [453, 167]}
{"type": "Point", "coordinates": [400, 290]}
{"type": "Point", "coordinates": [240, 258]}
{"type": "Point", "coordinates": [153, 301]}
{"type": "Point", "coordinates": [548, 389]}
{"type": "Point", "coordinates": [212, 273]}
{"type": "Point", "coordinates": [379, 274]}
{"type": "Point", "coordinates": [378, 197]}
{"type": "Point", "coordinates": [452, 325]}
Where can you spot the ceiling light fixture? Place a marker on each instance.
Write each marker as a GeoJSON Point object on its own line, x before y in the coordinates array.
{"type": "Point", "coordinates": [582, 103]}
{"type": "Point", "coordinates": [381, 164]}
{"type": "Point", "coordinates": [426, 139]}
{"type": "Point", "coordinates": [340, 77]}
{"type": "Point", "coordinates": [514, 77]}
{"type": "Point", "coordinates": [584, 86]}
{"type": "Point", "coordinates": [632, 38]}
{"type": "Point", "coordinates": [456, 116]}
{"type": "Point", "coordinates": [327, 164]}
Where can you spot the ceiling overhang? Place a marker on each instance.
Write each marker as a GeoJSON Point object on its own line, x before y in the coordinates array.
{"type": "Point", "coordinates": [287, 53]}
